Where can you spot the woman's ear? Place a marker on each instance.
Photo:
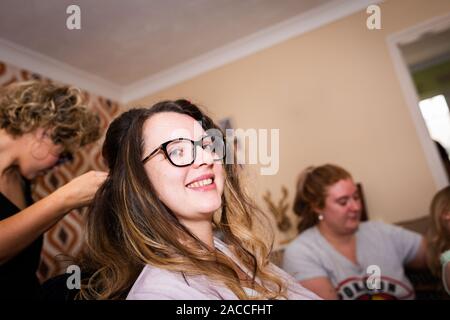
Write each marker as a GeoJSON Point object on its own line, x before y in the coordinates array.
{"type": "Point", "coordinates": [317, 210]}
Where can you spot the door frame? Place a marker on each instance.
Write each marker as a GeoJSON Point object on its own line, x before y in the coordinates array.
{"type": "Point", "coordinates": [409, 35]}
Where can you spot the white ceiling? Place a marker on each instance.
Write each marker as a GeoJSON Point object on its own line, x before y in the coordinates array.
{"type": "Point", "coordinates": [144, 45]}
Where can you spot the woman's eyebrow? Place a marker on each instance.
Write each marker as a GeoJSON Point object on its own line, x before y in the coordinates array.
{"type": "Point", "coordinates": [346, 197]}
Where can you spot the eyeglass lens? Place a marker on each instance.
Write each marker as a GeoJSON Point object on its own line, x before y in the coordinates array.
{"type": "Point", "coordinates": [181, 152]}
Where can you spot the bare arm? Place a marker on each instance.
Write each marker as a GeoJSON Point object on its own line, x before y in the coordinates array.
{"type": "Point", "coordinates": [420, 260]}
{"type": "Point", "coordinates": [21, 229]}
{"type": "Point", "coordinates": [322, 287]}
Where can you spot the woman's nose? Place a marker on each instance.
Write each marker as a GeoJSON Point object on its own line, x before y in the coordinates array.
{"type": "Point", "coordinates": [355, 205]}
{"type": "Point", "coordinates": [202, 157]}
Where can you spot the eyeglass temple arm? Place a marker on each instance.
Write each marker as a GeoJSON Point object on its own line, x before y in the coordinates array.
{"type": "Point", "coordinates": [150, 155]}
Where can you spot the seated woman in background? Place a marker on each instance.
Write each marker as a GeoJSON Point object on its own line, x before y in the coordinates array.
{"type": "Point", "coordinates": [150, 229]}
{"type": "Point", "coordinates": [335, 255]}
{"type": "Point", "coordinates": [438, 252]}
{"type": "Point", "coordinates": [39, 123]}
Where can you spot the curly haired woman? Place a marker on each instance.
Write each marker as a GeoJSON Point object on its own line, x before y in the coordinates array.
{"type": "Point", "coordinates": [40, 123]}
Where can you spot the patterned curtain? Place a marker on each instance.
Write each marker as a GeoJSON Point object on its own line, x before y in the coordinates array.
{"type": "Point", "coordinates": [65, 239]}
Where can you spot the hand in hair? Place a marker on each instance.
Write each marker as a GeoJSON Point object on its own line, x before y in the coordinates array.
{"type": "Point", "coordinates": [80, 191]}
{"type": "Point", "coordinates": [21, 229]}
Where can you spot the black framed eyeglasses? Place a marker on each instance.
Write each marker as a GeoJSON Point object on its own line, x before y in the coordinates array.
{"type": "Point", "coordinates": [64, 157]}
{"type": "Point", "coordinates": [181, 152]}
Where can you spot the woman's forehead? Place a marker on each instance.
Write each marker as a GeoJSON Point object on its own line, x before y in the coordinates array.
{"type": "Point", "coordinates": [341, 188]}
{"type": "Point", "coordinates": [165, 126]}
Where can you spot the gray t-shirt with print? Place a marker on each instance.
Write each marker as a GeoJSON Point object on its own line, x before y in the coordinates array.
{"type": "Point", "coordinates": [378, 244]}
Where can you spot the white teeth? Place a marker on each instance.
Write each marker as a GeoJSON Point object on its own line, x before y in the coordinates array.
{"type": "Point", "coordinates": [200, 183]}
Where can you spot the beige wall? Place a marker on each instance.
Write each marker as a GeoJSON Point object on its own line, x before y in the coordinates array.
{"type": "Point", "coordinates": [335, 96]}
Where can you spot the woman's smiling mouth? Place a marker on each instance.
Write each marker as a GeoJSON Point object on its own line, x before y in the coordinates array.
{"type": "Point", "coordinates": [202, 183]}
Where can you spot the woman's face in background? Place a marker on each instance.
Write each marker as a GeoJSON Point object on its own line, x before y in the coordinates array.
{"type": "Point", "coordinates": [38, 154]}
{"type": "Point", "coordinates": [445, 218]}
{"type": "Point", "coordinates": [193, 192]}
{"type": "Point", "coordinates": [342, 210]}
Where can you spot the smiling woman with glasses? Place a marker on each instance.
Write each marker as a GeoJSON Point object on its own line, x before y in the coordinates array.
{"type": "Point", "coordinates": [151, 226]}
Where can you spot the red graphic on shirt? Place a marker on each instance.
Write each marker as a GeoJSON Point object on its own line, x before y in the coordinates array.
{"type": "Point", "coordinates": [390, 289]}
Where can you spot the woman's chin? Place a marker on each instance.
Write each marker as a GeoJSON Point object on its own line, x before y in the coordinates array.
{"type": "Point", "coordinates": [33, 175]}
{"type": "Point", "coordinates": [29, 175]}
{"type": "Point", "coordinates": [353, 226]}
{"type": "Point", "coordinates": [209, 207]}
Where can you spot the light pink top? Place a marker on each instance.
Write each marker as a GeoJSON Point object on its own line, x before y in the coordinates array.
{"type": "Point", "coordinates": [160, 284]}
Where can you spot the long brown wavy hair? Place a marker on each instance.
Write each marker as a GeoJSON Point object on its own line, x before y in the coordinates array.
{"type": "Point", "coordinates": [129, 226]}
{"type": "Point", "coordinates": [438, 236]}
{"type": "Point", "coordinates": [311, 193]}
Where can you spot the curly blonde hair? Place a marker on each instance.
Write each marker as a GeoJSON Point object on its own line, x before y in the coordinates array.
{"type": "Point", "coordinates": [29, 105]}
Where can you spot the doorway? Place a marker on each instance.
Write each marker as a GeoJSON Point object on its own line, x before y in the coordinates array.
{"type": "Point", "coordinates": [421, 57]}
